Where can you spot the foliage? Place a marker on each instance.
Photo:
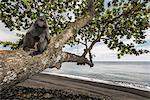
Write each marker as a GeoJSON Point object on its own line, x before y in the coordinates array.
{"type": "Point", "coordinates": [8, 43]}
{"type": "Point", "coordinates": [113, 23]}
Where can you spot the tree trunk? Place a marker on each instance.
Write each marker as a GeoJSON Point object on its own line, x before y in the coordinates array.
{"type": "Point", "coordinates": [16, 66]}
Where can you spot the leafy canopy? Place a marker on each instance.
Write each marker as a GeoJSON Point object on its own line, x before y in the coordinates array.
{"type": "Point", "coordinates": [115, 21]}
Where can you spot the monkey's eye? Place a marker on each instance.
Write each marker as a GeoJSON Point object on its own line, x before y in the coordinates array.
{"type": "Point", "coordinates": [41, 19]}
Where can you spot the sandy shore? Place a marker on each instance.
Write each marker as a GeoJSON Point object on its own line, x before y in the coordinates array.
{"type": "Point", "coordinates": [62, 88]}
{"type": "Point", "coordinates": [77, 86]}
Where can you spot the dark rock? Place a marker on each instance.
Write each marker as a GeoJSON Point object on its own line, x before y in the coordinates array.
{"type": "Point", "coordinates": [22, 93]}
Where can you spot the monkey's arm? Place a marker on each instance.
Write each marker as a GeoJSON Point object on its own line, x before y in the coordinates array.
{"type": "Point", "coordinates": [28, 42]}
{"type": "Point", "coordinates": [47, 35]}
{"type": "Point", "coordinates": [42, 37]}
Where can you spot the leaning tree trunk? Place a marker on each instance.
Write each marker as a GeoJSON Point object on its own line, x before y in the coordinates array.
{"type": "Point", "coordinates": [16, 66]}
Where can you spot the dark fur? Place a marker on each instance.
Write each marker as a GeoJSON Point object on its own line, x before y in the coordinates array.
{"type": "Point", "coordinates": [38, 33]}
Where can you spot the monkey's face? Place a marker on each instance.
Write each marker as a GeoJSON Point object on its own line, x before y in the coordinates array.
{"type": "Point", "coordinates": [41, 22]}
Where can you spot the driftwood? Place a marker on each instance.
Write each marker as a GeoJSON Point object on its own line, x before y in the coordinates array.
{"type": "Point", "coordinates": [16, 66]}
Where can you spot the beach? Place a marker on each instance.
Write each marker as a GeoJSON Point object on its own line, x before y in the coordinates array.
{"type": "Point", "coordinates": [76, 88]}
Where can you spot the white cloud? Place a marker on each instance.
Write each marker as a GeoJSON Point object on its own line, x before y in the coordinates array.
{"type": "Point", "coordinates": [6, 34]}
{"type": "Point", "coordinates": [104, 54]}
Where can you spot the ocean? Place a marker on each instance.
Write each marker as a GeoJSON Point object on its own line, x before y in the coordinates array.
{"type": "Point", "coordinates": [128, 74]}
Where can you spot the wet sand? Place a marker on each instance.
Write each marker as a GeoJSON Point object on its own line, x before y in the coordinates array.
{"type": "Point", "coordinates": [85, 87]}
{"type": "Point", "coordinates": [76, 89]}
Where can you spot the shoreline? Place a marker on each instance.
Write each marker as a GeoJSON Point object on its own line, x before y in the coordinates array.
{"type": "Point", "coordinates": [137, 86]}
{"type": "Point", "coordinates": [85, 87]}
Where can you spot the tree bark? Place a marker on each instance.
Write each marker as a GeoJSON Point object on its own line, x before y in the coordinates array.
{"type": "Point", "coordinates": [16, 66]}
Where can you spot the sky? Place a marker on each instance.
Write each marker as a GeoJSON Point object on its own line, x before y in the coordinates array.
{"type": "Point", "coordinates": [100, 50]}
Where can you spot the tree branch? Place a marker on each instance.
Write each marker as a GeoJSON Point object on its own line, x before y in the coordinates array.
{"type": "Point", "coordinates": [75, 26]}
{"type": "Point", "coordinates": [18, 65]}
{"type": "Point", "coordinates": [134, 9]}
{"type": "Point", "coordinates": [69, 57]}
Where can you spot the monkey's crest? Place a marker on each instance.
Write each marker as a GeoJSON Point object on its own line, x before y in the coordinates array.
{"type": "Point", "coordinates": [41, 22]}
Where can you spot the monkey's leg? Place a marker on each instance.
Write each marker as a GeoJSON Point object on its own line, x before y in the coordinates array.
{"type": "Point", "coordinates": [41, 46]}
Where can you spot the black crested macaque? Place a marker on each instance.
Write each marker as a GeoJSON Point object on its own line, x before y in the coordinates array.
{"type": "Point", "coordinates": [37, 36]}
